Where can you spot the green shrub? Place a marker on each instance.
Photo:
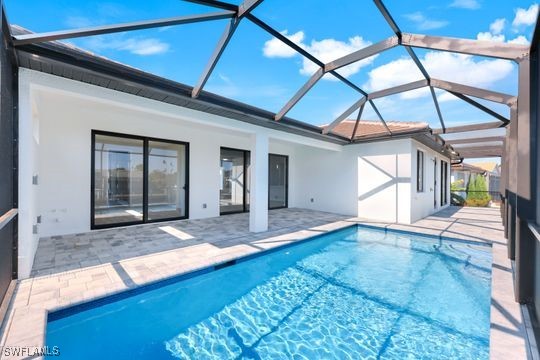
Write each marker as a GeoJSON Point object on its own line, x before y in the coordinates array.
{"type": "Point", "coordinates": [477, 194]}
{"type": "Point", "coordinates": [457, 185]}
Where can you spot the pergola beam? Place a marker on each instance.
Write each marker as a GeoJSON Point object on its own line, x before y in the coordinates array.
{"type": "Point", "coordinates": [344, 115]}
{"type": "Point", "coordinates": [109, 29]}
{"type": "Point", "coordinates": [481, 107]}
{"type": "Point", "coordinates": [479, 148]}
{"type": "Point", "coordinates": [474, 91]}
{"type": "Point", "coordinates": [481, 154]}
{"type": "Point", "coordinates": [476, 140]}
{"type": "Point", "coordinates": [466, 128]}
{"type": "Point", "coordinates": [505, 51]}
{"type": "Point", "coordinates": [477, 152]}
{"type": "Point", "coordinates": [299, 94]}
{"type": "Point", "coordinates": [398, 89]}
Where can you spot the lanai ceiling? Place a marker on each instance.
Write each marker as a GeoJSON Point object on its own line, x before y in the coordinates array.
{"type": "Point", "coordinates": [473, 139]}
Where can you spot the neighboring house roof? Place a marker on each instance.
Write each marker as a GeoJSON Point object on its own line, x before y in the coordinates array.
{"type": "Point", "coordinates": [468, 167]}
{"type": "Point", "coordinates": [491, 166]}
{"type": "Point", "coordinates": [370, 128]}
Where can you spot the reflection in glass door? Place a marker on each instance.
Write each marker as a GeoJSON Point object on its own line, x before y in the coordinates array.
{"type": "Point", "coordinates": [118, 180]}
{"type": "Point", "coordinates": [234, 168]}
{"type": "Point", "coordinates": [166, 180]}
{"type": "Point", "coordinates": [277, 181]}
{"type": "Point", "coordinates": [137, 179]}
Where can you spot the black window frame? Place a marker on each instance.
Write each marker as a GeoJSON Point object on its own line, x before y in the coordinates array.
{"type": "Point", "coordinates": [444, 182]}
{"type": "Point", "coordinates": [146, 140]}
{"type": "Point", "coordinates": [247, 154]}
{"type": "Point", "coordinates": [286, 157]}
{"type": "Point", "coordinates": [420, 167]}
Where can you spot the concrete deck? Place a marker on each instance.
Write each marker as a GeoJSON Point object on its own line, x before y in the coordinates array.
{"type": "Point", "coordinates": [82, 267]}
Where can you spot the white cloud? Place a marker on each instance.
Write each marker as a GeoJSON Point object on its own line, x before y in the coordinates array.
{"type": "Point", "coordinates": [525, 17]}
{"type": "Point", "coordinates": [495, 34]}
{"type": "Point", "coordinates": [423, 23]}
{"type": "Point", "coordinates": [497, 26]}
{"type": "Point", "coordinates": [325, 50]}
{"type": "Point", "coordinates": [466, 4]}
{"type": "Point", "coordinates": [144, 46]}
{"type": "Point", "coordinates": [134, 45]}
{"type": "Point", "coordinates": [276, 48]}
{"type": "Point", "coordinates": [458, 68]}
{"type": "Point", "coordinates": [487, 36]}
{"type": "Point", "coordinates": [520, 40]}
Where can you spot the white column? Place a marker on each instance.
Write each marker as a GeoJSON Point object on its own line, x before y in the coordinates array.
{"type": "Point", "coordinates": [258, 196]}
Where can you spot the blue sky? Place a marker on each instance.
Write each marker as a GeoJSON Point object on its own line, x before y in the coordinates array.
{"type": "Point", "coordinates": [262, 71]}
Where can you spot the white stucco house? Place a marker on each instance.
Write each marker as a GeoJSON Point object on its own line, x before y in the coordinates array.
{"type": "Point", "coordinates": [97, 151]}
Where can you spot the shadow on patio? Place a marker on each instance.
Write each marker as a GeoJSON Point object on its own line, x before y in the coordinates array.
{"type": "Point", "coordinates": [210, 237]}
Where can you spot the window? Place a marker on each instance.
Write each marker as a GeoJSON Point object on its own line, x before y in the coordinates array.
{"type": "Point", "coordinates": [444, 182]}
{"type": "Point", "coordinates": [137, 180]}
{"type": "Point", "coordinates": [420, 171]}
{"type": "Point", "coordinates": [278, 181]}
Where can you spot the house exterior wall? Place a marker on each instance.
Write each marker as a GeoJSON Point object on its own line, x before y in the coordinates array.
{"type": "Point", "coordinates": [384, 180]}
{"type": "Point", "coordinates": [372, 180]}
{"type": "Point", "coordinates": [55, 123]}
{"type": "Point", "coordinates": [429, 201]}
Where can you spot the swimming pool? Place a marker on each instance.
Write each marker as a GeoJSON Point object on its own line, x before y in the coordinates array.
{"type": "Point", "coordinates": [355, 293]}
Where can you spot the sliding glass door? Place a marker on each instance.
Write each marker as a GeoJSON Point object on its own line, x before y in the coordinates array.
{"type": "Point", "coordinates": [118, 180]}
{"type": "Point", "coordinates": [234, 189]}
{"type": "Point", "coordinates": [278, 169]}
{"type": "Point", "coordinates": [137, 179]}
{"type": "Point", "coordinates": [166, 180]}
{"type": "Point", "coordinates": [235, 183]}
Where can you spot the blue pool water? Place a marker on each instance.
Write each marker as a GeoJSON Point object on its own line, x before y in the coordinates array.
{"type": "Point", "coordinates": [353, 294]}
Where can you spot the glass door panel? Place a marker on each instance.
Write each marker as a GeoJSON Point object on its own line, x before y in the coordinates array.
{"type": "Point", "coordinates": [277, 181]}
{"type": "Point", "coordinates": [118, 180]}
{"type": "Point", "coordinates": [166, 180]}
{"type": "Point", "coordinates": [232, 192]}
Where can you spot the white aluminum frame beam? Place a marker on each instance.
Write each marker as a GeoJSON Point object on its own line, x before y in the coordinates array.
{"type": "Point", "coordinates": [466, 128]}
{"type": "Point", "coordinates": [344, 115]}
{"type": "Point", "coordinates": [475, 140]}
{"type": "Point", "coordinates": [494, 96]}
{"type": "Point", "coordinates": [332, 67]}
{"type": "Point", "coordinates": [505, 51]}
{"type": "Point", "coordinates": [109, 29]}
{"type": "Point", "coordinates": [362, 54]}
{"type": "Point", "coordinates": [398, 89]}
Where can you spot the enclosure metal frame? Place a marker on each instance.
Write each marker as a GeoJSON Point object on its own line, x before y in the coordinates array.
{"type": "Point", "coordinates": [519, 166]}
